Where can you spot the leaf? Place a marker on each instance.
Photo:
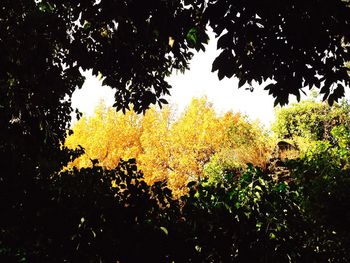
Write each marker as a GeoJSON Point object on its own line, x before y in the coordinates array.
{"type": "Point", "coordinates": [257, 187]}
{"type": "Point", "coordinates": [269, 87]}
{"type": "Point", "coordinates": [276, 102]}
{"type": "Point", "coordinates": [324, 90]}
{"type": "Point", "coordinates": [99, 76]}
{"type": "Point", "coordinates": [164, 101]}
{"type": "Point", "coordinates": [339, 92]}
{"type": "Point", "coordinates": [221, 74]}
{"type": "Point", "coordinates": [241, 82]}
{"type": "Point", "coordinates": [257, 194]}
{"type": "Point", "coordinates": [192, 36]}
{"type": "Point", "coordinates": [219, 62]}
{"type": "Point", "coordinates": [171, 41]}
{"type": "Point", "coordinates": [224, 41]}
{"type": "Point", "coordinates": [45, 7]}
{"type": "Point", "coordinates": [164, 230]}
{"type": "Point", "coordinates": [281, 187]}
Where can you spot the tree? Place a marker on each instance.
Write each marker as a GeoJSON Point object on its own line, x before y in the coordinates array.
{"type": "Point", "coordinates": [295, 43]}
{"type": "Point", "coordinates": [108, 137]}
{"type": "Point", "coordinates": [194, 138]}
{"type": "Point", "coordinates": [244, 142]}
{"type": "Point", "coordinates": [43, 46]}
{"type": "Point", "coordinates": [310, 120]}
{"type": "Point", "coordinates": [321, 169]}
{"type": "Point", "coordinates": [155, 143]}
{"type": "Point", "coordinates": [290, 42]}
{"type": "Point", "coordinates": [174, 151]}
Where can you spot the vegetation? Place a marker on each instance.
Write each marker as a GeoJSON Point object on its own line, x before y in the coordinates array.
{"type": "Point", "coordinates": [311, 120]}
{"type": "Point", "coordinates": [233, 212]}
{"type": "Point", "coordinates": [175, 151]}
{"type": "Point", "coordinates": [108, 213]}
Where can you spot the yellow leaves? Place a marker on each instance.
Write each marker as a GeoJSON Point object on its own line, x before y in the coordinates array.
{"type": "Point", "coordinates": [154, 140]}
{"type": "Point", "coordinates": [171, 41]}
{"type": "Point", "coordinates": [167, 150]}
{"type": "Point", "coordinates": [107, 136]}
{"type": "Point", "coordinates": [194, 137]}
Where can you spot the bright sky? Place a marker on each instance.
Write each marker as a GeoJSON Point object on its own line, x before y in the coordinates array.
{"type": "Point", "coordinates": [196, 82]}
{"type": "Point", "coordinates": [225, 95]}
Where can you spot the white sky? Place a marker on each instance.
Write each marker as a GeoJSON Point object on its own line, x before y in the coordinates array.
{"type": "Point", "coordinates": [225, 95]}
{"type": "Point", "coordinates": [196, 82]}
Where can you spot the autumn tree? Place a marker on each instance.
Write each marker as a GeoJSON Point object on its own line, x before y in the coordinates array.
{"type": "Point", "coordinates": [194, 138]}
{"type": "Point", "coordinates": [155, 143]}
{"type": "Point", "coordinates": [108, 136]}
{"type": "Point", "coordinates": [167, 149]}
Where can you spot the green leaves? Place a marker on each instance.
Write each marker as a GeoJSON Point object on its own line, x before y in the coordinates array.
{"type": "Point", "coordinates": [196, 37]}
{"type": "Point", "coordinates": [310, 120]}
{"type": "Point", "coordinates": [165, 231]}
{"type": "Point", "coordinates": [45, 6]}
{"type": "Point", "coordinates": [192, 36]}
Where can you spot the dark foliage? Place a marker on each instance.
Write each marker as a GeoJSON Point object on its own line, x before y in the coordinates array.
{"type": "Point", "coordinates": [253, 218]}
{"type": "Point", "coordinates": [80, 217]}
{"type": "Point", "coordinates": [322, 177]}
{"type": "Point", "coordinates": [43, 45]}
{"type": "Point", "coordinates": [295, 43]}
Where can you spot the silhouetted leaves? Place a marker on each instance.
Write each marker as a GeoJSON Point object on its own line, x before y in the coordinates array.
{"type": "Point", "coordinates": [291, 43]}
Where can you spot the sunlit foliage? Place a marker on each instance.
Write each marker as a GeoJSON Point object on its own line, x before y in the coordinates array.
{"type": "Point", "coordinates": [107, 137]}
{"type": "Point", "coordinates": [310, 121]}
{"type": "Point", "coordinates": [245, 142]}
{"type": "Point", "coordinates": [169, 149]}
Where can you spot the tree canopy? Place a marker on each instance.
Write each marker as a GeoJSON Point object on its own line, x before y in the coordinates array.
{"type": "Point", "coordinates": [309, 120]}
{"type": "Point", "coordinates": [175, 151]}
{"type": "Point", "coordinates": [135, 44]}
{"type": "Point", "coordinates": [295, 43]}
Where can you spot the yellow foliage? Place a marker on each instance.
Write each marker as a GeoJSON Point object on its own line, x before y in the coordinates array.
{"type": "Point", "coordinates": [108, 136]}
{"type": "Point", "coordinates": [154, 140]}
{"type": "Point", "coordinates": [175, 151]}
{"type": "Point", "coordinates": [248, 142]}
{"type": "Point", "coordinates": [193, 139]}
